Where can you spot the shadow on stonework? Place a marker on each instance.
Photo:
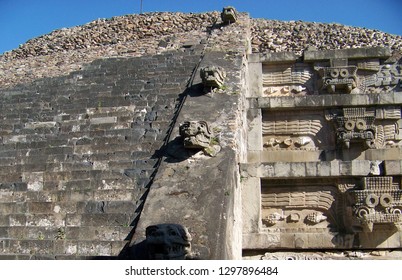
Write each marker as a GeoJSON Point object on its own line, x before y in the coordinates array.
{"type": "Point", "coordinates": [175, 151]}
{"type": "Point", "coordinates": [170, 151]}
{"type": "Point", "coordinates": [195, 90]}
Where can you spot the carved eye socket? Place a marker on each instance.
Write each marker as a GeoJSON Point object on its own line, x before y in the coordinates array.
{"type": "Point", "coordinates": [344, 73]}
{"type": "Point", "coordinates": [172, 233]}
{"type": "Point", "coordinates": [334, 73]}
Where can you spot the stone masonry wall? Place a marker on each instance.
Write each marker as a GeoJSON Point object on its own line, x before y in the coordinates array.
{"type": "Point", "coordinates": [90, 152]}
{"type": "Point", "coordinates": [78, 152]}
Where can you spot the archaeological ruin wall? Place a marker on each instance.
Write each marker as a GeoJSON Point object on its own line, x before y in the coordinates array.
{"type": "Point", "coordinates": [202, 136]}
{"type": "Point", "coordinates": [323, 167]}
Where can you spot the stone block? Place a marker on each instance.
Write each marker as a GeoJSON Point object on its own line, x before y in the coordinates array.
{"type": "Point", "coordinates": [65, 247]}
{"type": "Point", "coordinates": [103, 120]}
{"type": "Point", "coordinates": [17, 220]}
{"type": "Point", "coordinates": [324, 169]}
{"type": "Point", "coordinates": [311, 169]}
{"type": "Point", "coordinates": [345, 168]}
{"type": "Point", "coordinates": [282, 169]}
{"type": "Point", "coordinates": [4, 232]}
{"type": "Point", "coordinates": [393, 167]}
{"type": "Point", "coordinates": [40, 207]}
{"type": "Point", "coordinates": [298, 169]}
{"type": "Point", "coordinates": [261, 241]}
{"type": "Point", "coordinates": [45, 220]}
{"type": "Point", "coordinates": [73, 220]}
{"type": "Point", "coordinates": [39, 247]}
{"type": "Point", "coordinates": [335, 171]}
{"type": "Point", "coordinates": [94, 248]}
{"type": "Point", "coordinates": [18, 232]}
{"type": "Point", "coordinates": [34, 180]}
{"type": "Point", "coordinates": [264, 102]}
{"type": "Point", "coordinates": [361, 167]}
{"type": "Point", "coordinates": [103, 233]}
{"type": "Point", "coordinates": [358, 100]}
{"type": "Point", "coordinates": [251, 188]}
{"type": "Point", "coordinates": [279, 57]}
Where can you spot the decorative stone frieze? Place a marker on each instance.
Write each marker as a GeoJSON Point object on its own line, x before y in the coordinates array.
{"type": "Point", "coordinates": [290, 133]}
{"type": "Point", "coordinates": [338, 78]}
{"type": "Point", "coordinates": [298, 208]}
{"type": "Point", "coordinates": [356, 71]}
{"type": "Point", "coordinates": [378, 200]}
{"type": "Point", "coordinates": [354, 125]}
{"type": "Point", "coordinates": [324, 140]}
{"type": "Point", "coordinates": [373, 127]}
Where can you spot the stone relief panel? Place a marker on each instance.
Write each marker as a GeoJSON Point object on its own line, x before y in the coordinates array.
{"type": "Point", "coordinates": [335, 79]}
{"type": "Point", "coordinates": [375, 201]}
{"type": "Point", "coordinates": [288, 79]}
{"type": "Point", "coordinates": [306, 208]}
{"type": "Point", "coordinates": [295, 131]}
{"type": "Point", "coordinates": [384, 78]}
{"type": "Point", "coordinates": [373, 128]}
{"type": "Point", "coordinates": [331, 76]}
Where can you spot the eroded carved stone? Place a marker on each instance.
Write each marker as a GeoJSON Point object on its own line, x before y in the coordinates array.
{"type": "Point", "coordinates": [272, 219]}
{"type": "Point", "coordinates": [291, 133]}
{"type": "Point", "coordinates": [387, 78]}
{"type": "Point", "coordinates": [213, 76]}
{"type": "Point", "coordinates": [229, 15]}
{"type": "Point", "coordinates": [376, 201]}
{"type": "Point", "coordinates": [287, 79]}
{"type": "Point", "coordinates": [309, 206]}
{"type": "Point", "coordinates": [338, 72]}
{"type": "Point", "coordinates": [197, 135]}
{"type": "Point", "coordinates": [168, 242]}
{"type": "Point", "coordinates": [374, 127]}
{"type": "Point", "coordinates": [354, 125]}
{"type": "Point", "coordinates": [336, 79]}
{"type": "Point", "coordinates": [315, 218]}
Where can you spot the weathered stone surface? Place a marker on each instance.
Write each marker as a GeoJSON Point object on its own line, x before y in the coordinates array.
{"type": "Point", "coordinates": [91, 153]}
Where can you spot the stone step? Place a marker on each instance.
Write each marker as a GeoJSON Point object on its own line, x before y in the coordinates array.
{"type": "Point", "coordinates": [83, 233]}
{"type": "Point", "coordinates": [59, 249]}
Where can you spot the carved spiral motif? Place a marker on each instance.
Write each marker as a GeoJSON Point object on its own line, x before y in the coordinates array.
{"type": "Point", "coordinates": [350, 125]}
{"type": "Point", "coordinates": [372, 200]}
{"type": "Point", "coordinates": [344, 73]}
{"type": "Point", "coordinates": [334, 73]}
{"type": "Point", "coordinates": [397, 211]}
{"type": "Point", "coordinates": [386, 200]}
{"type": "Point", "coordinates": [361, 124]}
{"type": "Point", "coordinates": [361, 212]}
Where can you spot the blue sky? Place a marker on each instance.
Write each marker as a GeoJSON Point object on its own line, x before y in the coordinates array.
{"type": "Point", "coordinates": [21, 20]}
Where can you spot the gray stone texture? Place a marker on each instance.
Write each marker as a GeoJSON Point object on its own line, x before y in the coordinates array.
{"type": "Point", "coordinates": [78, 153]}
{"type": "Point", "coordinates": [91, 154]}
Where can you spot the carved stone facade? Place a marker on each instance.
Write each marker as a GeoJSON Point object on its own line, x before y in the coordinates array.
{"type": "Point", "coordinates": [350, 71]}
{"type": "Point", "coordinates": [376, 201]}
{"type": "Point", "coordinates": [324, 159]}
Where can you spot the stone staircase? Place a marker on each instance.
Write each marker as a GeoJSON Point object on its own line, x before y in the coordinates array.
{"type": "Point", "coordinates": [77, 154]}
